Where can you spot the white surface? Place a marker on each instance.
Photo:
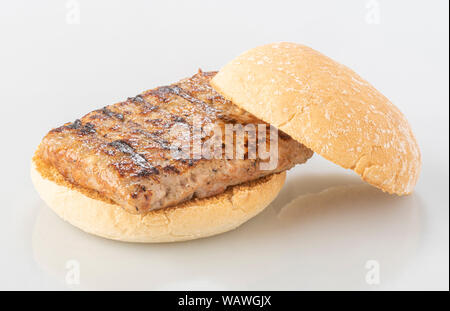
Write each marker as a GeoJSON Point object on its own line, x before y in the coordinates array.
{"type": "Point", "coordinates": [52, 72]}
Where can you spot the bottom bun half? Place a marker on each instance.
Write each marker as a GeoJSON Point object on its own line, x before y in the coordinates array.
{"type": "Point", "coordinates": [193, 219]}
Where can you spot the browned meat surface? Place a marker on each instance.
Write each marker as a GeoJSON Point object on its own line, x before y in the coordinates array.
{"type": "Point", "coordinates": [124, 152]}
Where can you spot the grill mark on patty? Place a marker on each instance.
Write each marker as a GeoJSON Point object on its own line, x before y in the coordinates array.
{"type": "Point", "coordinates": [163, 91]}
{"type": "Point", "coordinates": [78, 126]}
{"type": "Point", "coordinates": [137, 99]}
{"type": "Point", "coordinates": [155, 137]}
{"type": "Point", "coordinates": [75, 125]}
{"type": "Point", "coordinates": [112, 114]}
{"type": "Point", "coordinates": [137, 159]}
{"type": "Point", "coordinates": [88, 128]}
{"type": "Point", "coordinates": [146, 107]}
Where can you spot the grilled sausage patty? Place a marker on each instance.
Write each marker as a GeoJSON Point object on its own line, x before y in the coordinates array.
{"type": "Point", "coordinates": [125, 151]}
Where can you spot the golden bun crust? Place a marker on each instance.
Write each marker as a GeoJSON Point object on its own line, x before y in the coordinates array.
{"type": "Point", "coordinates": [327, 107]}
{"type": "Point", "coordinates": [194, 219]}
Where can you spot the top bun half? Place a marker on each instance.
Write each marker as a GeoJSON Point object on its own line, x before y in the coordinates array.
{"type": "Point", "coordinates": [327, 107]}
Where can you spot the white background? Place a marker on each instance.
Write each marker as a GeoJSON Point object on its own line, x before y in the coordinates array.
{"type": "Point", "coordinates": [324, 226]}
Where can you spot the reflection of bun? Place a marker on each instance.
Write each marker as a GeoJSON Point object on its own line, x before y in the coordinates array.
{"type": "Point", "coordinates": [197, 218]}
{"type": "Point", "coordinates": [327, 107]}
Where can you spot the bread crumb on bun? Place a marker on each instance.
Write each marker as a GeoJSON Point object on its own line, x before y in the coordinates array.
{"type": "Point", "coordinates": [327, 107]}
{"type": "Point", "coordinates": [197, 218]}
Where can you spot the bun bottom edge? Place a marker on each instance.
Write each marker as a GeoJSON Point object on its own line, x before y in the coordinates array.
{"type": "Point", "coordinates": [191, 220]}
